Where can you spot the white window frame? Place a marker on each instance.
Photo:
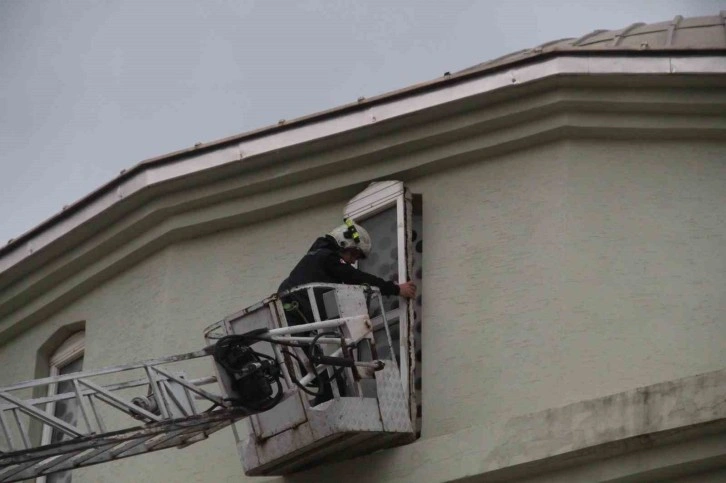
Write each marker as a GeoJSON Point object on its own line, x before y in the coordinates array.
{"type": "Point", "coordinates": [70, 350]}
{"type": "Point", "coordinates": [380, 196]}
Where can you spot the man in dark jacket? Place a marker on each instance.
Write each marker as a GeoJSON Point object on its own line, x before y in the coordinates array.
{"type": "Point", "coordinates": [330, 260]}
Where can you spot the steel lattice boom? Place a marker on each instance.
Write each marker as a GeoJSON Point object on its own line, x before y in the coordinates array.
{"type": "Point", "coordinates": [168, 416]}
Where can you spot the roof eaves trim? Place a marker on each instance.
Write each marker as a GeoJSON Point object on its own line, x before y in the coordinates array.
{"type": "Point", "coordinates": [321, 126]}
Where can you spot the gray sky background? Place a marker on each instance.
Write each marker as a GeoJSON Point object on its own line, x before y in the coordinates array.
{"type": "Point", "coordinates": [90, 87]}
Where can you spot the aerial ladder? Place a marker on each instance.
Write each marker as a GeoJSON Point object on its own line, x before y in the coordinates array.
{"type": "Point", "coordinates": [323, 378]}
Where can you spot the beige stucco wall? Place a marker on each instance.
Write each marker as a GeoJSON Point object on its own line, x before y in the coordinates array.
{"type": "Point", "coordinates": [570, 272]}
{"type": "Point", "coordinates": [554, 274]}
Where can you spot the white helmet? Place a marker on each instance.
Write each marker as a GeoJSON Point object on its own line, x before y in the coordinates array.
{"type": "Point", "coordinates": [352, 235]}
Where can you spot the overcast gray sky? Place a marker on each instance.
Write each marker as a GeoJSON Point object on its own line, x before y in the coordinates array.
{"type": "Point", "coordinates": [90, 87]}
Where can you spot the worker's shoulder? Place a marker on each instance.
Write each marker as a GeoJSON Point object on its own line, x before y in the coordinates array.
{"type": "Point", "coordinates": [324, 254]}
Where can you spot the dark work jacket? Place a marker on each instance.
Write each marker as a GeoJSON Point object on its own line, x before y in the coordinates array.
{"type": "Point", "coordinates": [323, 264]}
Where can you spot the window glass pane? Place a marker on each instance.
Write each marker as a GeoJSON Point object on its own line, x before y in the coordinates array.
{"type": "Point", "coordinates": [68, 411]}
{"type": "Point", "coordinates": [382, 346]}
{"type": "Point", "coordinates": [383, 260]}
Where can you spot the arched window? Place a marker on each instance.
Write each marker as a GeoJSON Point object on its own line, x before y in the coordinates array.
{"type": "Point", "coordinates": [67, 358]}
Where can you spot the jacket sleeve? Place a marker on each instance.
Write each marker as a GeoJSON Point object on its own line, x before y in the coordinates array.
{"type": "Point", "coordinates": [348, 274]}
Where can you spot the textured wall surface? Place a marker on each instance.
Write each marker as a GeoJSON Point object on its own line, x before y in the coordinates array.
{"type": "Point", "coordinates": [570, 272]}
{"type": "Point", "coordinates": [556, 274]}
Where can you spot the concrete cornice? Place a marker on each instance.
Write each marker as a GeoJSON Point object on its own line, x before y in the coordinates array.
{"type": "Point", "coordinates": [345, 119]}
{"type": "Point", "coordinates": [257, 178]}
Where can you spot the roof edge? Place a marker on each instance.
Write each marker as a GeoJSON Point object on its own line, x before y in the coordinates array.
{"type": "Point", "coordinates": [448, 81]}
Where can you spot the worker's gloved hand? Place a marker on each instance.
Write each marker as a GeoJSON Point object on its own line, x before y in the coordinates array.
{"type": "Point", "coordinates": [407, 290]}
